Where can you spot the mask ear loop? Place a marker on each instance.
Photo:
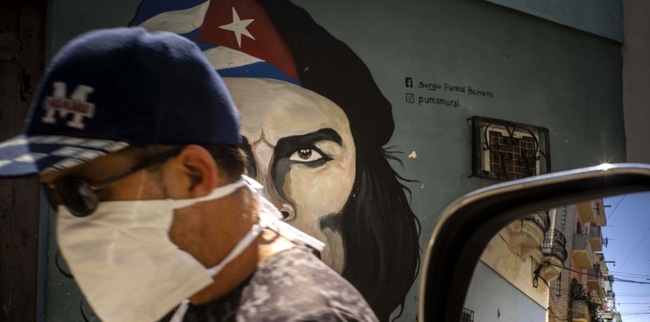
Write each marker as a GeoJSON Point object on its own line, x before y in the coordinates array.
{"type": "Point", "coordinates": [180, 311]}
{"type": "Point", "coordinates": [252, 234]}
{"type": "Point", "coordinates": [255, 231]}
{"type": "Point", "coordinates": [269, 212]}
{"type": "Point", "coordinates": [217, 193]}
{"type": "Point", "coordinates": [241, 246]}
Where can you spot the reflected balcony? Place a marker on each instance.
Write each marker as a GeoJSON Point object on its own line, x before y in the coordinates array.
{"type": "Point", "coordinates": [554, 250]}
{"type": "Point", "coordinates": [607, 287]}
{"type": "Point", "coordinates": [527, 234]}
{"type": "Point", "coordinates": [608, 316]}
{"type": "Point", "coordinates": [585, 212]}
{"type": "Point", "coordinates": [595, 238]}
{"type": "Point", "coordinates": [541, 219]}
{"type": "Point", "coordinates": [580, 311]}
{"type": "Point", "coordinates": [554, 245]}
{"type": "Point", "coordinates": [611, 295]}
{"type": "Point", "coordinates": [592, 211]}
{"type": "Point", "coordinates": [599, 213]}
{"type": "Point", "coordinates": [595, 282]}
{"type": "Point", "coordinates": [582, 251]}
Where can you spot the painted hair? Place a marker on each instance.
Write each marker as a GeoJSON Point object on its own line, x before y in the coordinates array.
{"type": "Point", "coordinates": [379, 230]}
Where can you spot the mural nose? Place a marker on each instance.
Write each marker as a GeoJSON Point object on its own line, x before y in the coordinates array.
{"type": "Point", "coordinates": [263, 155]}
{"type": "Point", "coordinates": [288, 211]}
{"type": "Point", "coordinates": [271, 194]}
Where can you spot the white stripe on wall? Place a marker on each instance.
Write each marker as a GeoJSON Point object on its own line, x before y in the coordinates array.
{"type": "Point", "coordinates": [178, 21]}
{"type": "Point", "coordinates": [223, 57]}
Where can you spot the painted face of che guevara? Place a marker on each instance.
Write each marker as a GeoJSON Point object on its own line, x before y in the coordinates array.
{"type": "Point", "coordinates": [301, 149]}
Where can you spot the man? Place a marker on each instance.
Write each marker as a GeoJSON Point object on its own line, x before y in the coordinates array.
{"type": "Point", "coordinates": [135, 138]}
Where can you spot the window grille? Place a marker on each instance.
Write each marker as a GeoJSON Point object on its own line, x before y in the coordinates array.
{"type": "Point", "coordinates": [467, 315]}
{"type": "Point", "coordinates": [558, 286]}
{"type": "Point", "coordinates": [505, 150]}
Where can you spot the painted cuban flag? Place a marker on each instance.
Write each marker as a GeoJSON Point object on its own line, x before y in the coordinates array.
{"type": "Point", "coordinates": [236, 36]}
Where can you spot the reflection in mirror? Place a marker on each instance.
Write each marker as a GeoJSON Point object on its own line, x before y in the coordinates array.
{"type": "Point", "coordinates": [558, 264]}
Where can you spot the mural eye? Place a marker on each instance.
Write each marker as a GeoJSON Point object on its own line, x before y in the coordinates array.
{"type": "Point", "coordinates": [306, 155]}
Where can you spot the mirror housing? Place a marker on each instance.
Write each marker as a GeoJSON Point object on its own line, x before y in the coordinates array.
{"type": "Point", "coordinates": [466, 226]}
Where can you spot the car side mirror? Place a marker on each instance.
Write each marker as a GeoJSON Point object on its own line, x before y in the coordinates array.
{"type": "Point", "coordinates": [467, 225]}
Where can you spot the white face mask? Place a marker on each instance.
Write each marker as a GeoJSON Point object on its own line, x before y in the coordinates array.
{"type": "Point", "coordinates": [128, 268]}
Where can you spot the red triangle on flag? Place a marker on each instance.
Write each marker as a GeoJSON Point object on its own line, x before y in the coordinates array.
{"type": "Point", "coordinates": [266, 44]}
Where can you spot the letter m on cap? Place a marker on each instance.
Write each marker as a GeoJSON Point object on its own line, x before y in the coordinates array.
{"type": "Point", "coordinates": [76, 105]}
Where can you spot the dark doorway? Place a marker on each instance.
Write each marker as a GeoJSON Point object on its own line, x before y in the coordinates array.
{"type": "Point", "coordinates": [22, 44]}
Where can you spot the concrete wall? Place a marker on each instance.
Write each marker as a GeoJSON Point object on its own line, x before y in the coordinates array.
{"type": "Point", "coordinates": [539, 72]}
{"type": "Point", "coordinates": [636, 79]}
{"type": "Point", "coordinates": [492, 298]}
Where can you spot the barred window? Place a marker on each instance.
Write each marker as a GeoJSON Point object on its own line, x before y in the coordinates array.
{"type": "Point", "coordinates": [500, 144]}
{"type": "Point", "coordinates": [506, 150]}
{"type": "Point", "coordinates": [467, 315]}
{"type": "Point", "coordinates": [558, 286]}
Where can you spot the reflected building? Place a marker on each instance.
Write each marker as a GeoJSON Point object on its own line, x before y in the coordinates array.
{"type": "Point", "coordinates": [518, 264]}
{"type": "Point", "coordinates": [546, 266]}
{"type": "Point", "coordinates": [583, 292]}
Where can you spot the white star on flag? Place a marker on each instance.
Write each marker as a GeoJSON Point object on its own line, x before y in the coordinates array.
{"type": "Point", "coordinates": [238, 26]}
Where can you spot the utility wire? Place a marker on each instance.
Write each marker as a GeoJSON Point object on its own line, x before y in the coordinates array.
{"type": "Point", "coordinates": [619, 202]}
{"type": "Point", "coordinates": [616, 279]}
{"type": "Point", "coordinates": [557, 317]}
{"type": "Point", "coordinates": [637, 246]}
{"type": "Point", "coordinates": [626, 274]}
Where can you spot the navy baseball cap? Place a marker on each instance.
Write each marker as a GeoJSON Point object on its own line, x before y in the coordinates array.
{"type": "Point", "coordinates": [108, 89]}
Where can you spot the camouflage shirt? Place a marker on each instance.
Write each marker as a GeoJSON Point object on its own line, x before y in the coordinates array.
{"type": "Point", "coordinates": [292, 285]}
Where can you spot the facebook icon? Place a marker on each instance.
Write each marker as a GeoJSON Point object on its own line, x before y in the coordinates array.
{"type": "Point", "coordinates": [408, 81]}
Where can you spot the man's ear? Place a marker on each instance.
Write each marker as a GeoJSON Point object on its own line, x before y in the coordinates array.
{"type": "Point", "coordinates": [196, 171]}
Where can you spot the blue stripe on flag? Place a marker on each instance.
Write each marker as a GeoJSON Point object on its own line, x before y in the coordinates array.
{"type": "Point", "coordinates": [258, 70]}
{"type": "Point", "coordinates": [150, 8]}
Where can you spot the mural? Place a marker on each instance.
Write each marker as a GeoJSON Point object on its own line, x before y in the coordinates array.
{"type": "Point", "coordinates": [315, 125]}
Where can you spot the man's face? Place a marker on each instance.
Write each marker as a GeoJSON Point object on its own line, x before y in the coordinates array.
{"type": "Point", "coordinates": [138, 186]}
{"type": "Point", "coordinates": [195, 229]}
{"type": "Point", "coordinates": [302, 151]}
{"type": "Point", "coordinates": [168, 179]}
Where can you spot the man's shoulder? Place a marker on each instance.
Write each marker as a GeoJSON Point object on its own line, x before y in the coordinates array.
{"type": "Point", "coordinates": [292, 285]}
{"type": "Point", "coordinates": [295, 285]}
{"type": "Point", "coordinates": [295, 265]}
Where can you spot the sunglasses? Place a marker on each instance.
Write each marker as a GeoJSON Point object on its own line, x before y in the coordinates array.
{"type": "Point", "coordinates": [80, 196]}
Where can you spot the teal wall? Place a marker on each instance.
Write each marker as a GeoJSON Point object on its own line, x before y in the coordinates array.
{"type": "Point", "coordinates": [600, 17]}
{"type": "Point", "coordinates": [539, 72]}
